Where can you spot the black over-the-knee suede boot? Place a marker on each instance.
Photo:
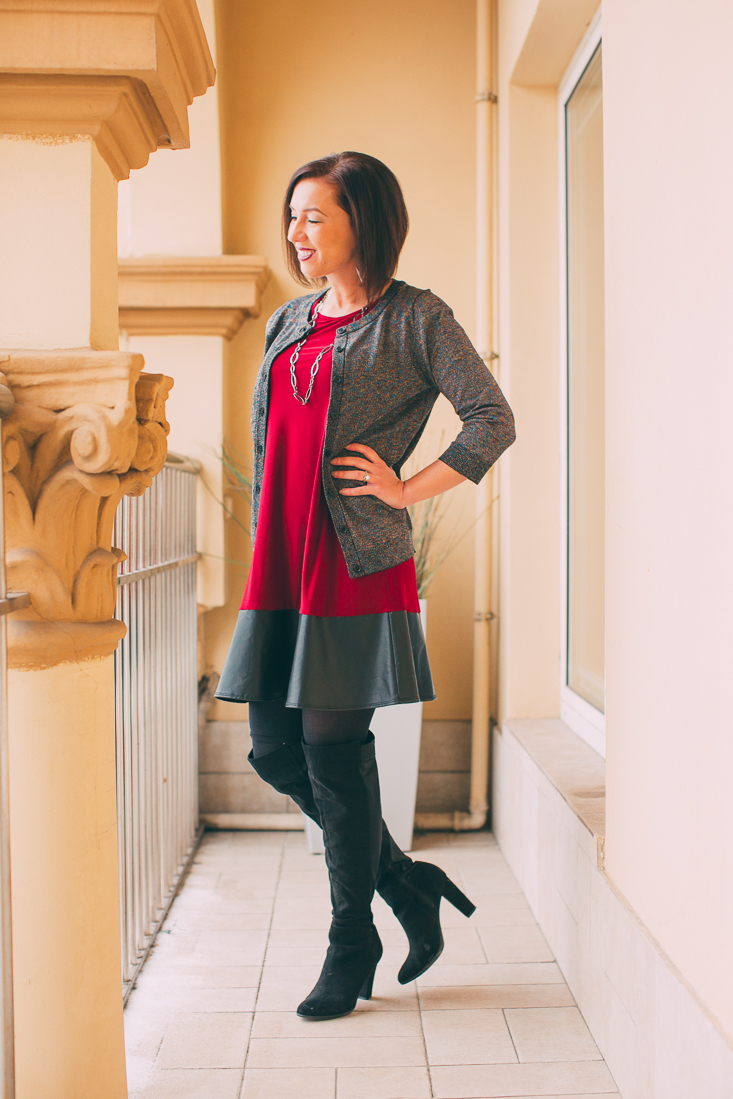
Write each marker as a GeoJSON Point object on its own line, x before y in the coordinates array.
{"type": "Point", "coordinates": [413, 890]}
{"type": "Point", "coordinates": [345, 787]}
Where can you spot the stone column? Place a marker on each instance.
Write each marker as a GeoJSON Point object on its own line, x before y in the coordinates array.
{"type": "Point", "coordinates": [88, 89]}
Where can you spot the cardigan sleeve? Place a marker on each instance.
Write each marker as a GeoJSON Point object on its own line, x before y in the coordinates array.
{"type": "Point", "coordinates": [460, 373]}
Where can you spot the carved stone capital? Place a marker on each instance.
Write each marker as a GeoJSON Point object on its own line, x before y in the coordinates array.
{"type": "Point", "coordinates": [88, 428]}
{"type": "Point", "coordinates": [123, 71]}
{"type": "Point", "coordinates": [190, 296]}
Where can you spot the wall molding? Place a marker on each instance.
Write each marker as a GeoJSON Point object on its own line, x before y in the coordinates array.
{"type": "Point", "coordinates": [124, 73]}
{"type": "Point", "coordinates": [190, 295]}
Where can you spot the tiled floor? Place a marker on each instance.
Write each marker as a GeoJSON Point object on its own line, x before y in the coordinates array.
{"type": "Point", "coordinates": [213, 1015]}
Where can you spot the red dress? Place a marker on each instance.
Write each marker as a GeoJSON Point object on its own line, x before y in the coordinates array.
{"type": "Point", "coordinates": [298, 563]}
{"type": "Point", "coordinates": [306, 629]}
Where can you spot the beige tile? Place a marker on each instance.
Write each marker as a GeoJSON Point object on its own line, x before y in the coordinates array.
{"type": "Point", "coordinates": [174, 945]}
{"type": "Point", "coordinates": [388, 993]}
{"type": "Point", "coordinates": [426, 844]}
{"type": "Point", "coordinates": [499, 996]}
{"type": "Point", "coordinates": [289, 1083]}
{"type": "Point", "coordinates": [308, 912]}
{"type": "Point", "coordinates": [240, 891]}
{"type": "Point", "coordinates": [297, 936]}
{"type": "Point", "coordinates": [363, 1024]}
{"type": "Point", "coordinates": [294, 839]}
{"type": "Point", "coordinates": [295, 877]}
{"type": "Point", "coordinates": [384, 917]}
{"type": "Point", "coordinates": [486, 919]}
{"type": "Point", "coordinates": [246, 865]}
{"type": "Point", "coordinates": [515, 944]}
{"type": "Point", "coordinates": [140, 1072]}
{"type": "Point", "coordinates": [201, 920]}
{"type": "Point", "coordinates": [258, 839]}
{"type": "Point", "coordinates": [215, 948]}
{"type": "Point", "coordinates": [478, 1036]}
{"type": "Point", "coordinates": [154, 976]}
{"type": "Point", "coordinates": [144, 1032]}
{"type": "Point", "coordinates": [298, 858]}
{"type": "Point", "coordinates": [472, 839]}
{"type": "Point", "coordinates": [198, 1040]}
{"type": "Point", "coordinates": [210, 999]}
{"type": "Point", "coordinates": [531, 973]}
{"type": "Point", "coordinates": [462, 947]}
{"type": "Point", "coordinates": [213, 902]}
{"type": "Point", "coordinates": [295, 955]}
{"type": "Point", "coordinates": [337, 1052]}
{"type": "Point", "coordinates": [551, 1034]}
{"type": "Point", "coordinates": [314, 955]}
{"type": "Point", "coordinates": [520, 1081]}
{"type": "Point", "coordinates": [380, 1083]}
{"type": "Point", "coordinates": [190, 1084]}
{"type": "Point", "coordinates": [313, 890]}
{"type": "Point", "coordinates": [495, 879]}
{"type": "Point", "coordinates": [282, 989]}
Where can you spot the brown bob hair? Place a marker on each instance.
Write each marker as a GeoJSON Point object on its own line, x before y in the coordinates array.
{"type": "Point", "coordinates": [370, 194]}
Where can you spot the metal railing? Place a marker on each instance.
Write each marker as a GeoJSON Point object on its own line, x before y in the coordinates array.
{"type": "Point", "coordinates": [156, 704]}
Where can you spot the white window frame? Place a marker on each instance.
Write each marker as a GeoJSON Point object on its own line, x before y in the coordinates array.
{"type": "Point", "coordinates": [584, 719]}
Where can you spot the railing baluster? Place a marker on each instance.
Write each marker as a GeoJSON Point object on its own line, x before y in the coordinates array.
{"type": "Point", "coordinates": [156, 704]}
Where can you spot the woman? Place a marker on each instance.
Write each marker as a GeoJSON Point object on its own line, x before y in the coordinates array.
{"type": "Point", "coordinates": [329, 626]}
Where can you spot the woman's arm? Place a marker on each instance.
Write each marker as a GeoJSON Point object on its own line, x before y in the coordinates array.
{"type": "Point", "coordinates": [385, 484]}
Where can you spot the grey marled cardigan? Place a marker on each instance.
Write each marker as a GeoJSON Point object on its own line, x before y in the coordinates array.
{"type": "Point", "coordinates": [388, 369]}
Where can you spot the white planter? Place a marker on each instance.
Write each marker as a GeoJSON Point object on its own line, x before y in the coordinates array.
{"type": "Point", "coordinates": [397, 732]}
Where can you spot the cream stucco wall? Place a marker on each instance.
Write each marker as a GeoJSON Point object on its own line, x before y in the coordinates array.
{"type": "Point", "coordinates": [397, 82]}
{"type": "Point", "coordinates": [669, 274]}
{"type": "Point", "coordinates": [172, 207]}
{"type": "Point", "coordinates": [58, 237]}
{"type": "Point", "coordinates": [66, 930]}
{"type": "Point", "coordinates": [669, 398]}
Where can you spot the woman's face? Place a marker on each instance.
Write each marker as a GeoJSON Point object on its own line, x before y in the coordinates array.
{"type": "Point", "coordinates": [321, 231]}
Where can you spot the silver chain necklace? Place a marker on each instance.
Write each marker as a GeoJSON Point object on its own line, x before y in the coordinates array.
{"type": "Point", "coordinates": [314, 369]}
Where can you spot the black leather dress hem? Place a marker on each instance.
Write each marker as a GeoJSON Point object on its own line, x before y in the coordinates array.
{"type": "Point", "coordinates": [351, 662]}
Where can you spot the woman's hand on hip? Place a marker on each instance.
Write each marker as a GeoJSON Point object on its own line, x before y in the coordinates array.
{"type": "Point", "coordinates": [381, 480]}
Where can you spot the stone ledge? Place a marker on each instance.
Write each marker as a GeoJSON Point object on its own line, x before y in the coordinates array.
{"type": "Point", "coordinates": [160, 44]}
{"type": "Point", "coordinates": [190, 295]}
{"type": "Point", "coordinates": [576, 771]}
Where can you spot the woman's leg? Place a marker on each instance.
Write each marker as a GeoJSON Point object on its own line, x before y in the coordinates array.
{"type": "Point", "coordinates": [412, 890]}
{"type": "Point", "coordinates": [272, 726]}
{"type": "Point", "coordinates": [339, 751]}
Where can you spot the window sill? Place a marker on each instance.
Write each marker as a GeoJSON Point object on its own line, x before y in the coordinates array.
{"type": "Point", "coordinates": [576, 771]}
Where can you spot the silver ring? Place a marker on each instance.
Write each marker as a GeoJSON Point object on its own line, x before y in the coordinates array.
{"type": "Point", "coordinates": [366, 476]}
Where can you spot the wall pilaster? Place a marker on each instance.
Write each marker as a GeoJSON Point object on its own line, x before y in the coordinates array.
{"type": "Point", "coordinates": [88, 90]}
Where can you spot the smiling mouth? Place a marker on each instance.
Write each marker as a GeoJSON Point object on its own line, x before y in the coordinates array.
{"type": "Point", "coordinates": [306, 253]}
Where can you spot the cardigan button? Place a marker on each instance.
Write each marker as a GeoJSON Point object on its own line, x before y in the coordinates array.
{"type": "Point", "coordinates": [357, 568]}
{"type": "Point", "coordinates": [328, 453]}
{"type": "Point", "coordinates": [259, 448]}
{"type": "Point", "coordinates": [337, 379]}
{"type": "Point", "coordinates": [341, 529]}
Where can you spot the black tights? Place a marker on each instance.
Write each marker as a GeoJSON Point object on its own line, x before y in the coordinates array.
{"type": "Point", "coordinates": [272, 725]}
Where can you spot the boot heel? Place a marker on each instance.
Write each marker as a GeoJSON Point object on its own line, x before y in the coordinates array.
{"type": "Point", "coordinates": [365, 992]}
{"type": "Point", "coordinates": [459, 900]}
